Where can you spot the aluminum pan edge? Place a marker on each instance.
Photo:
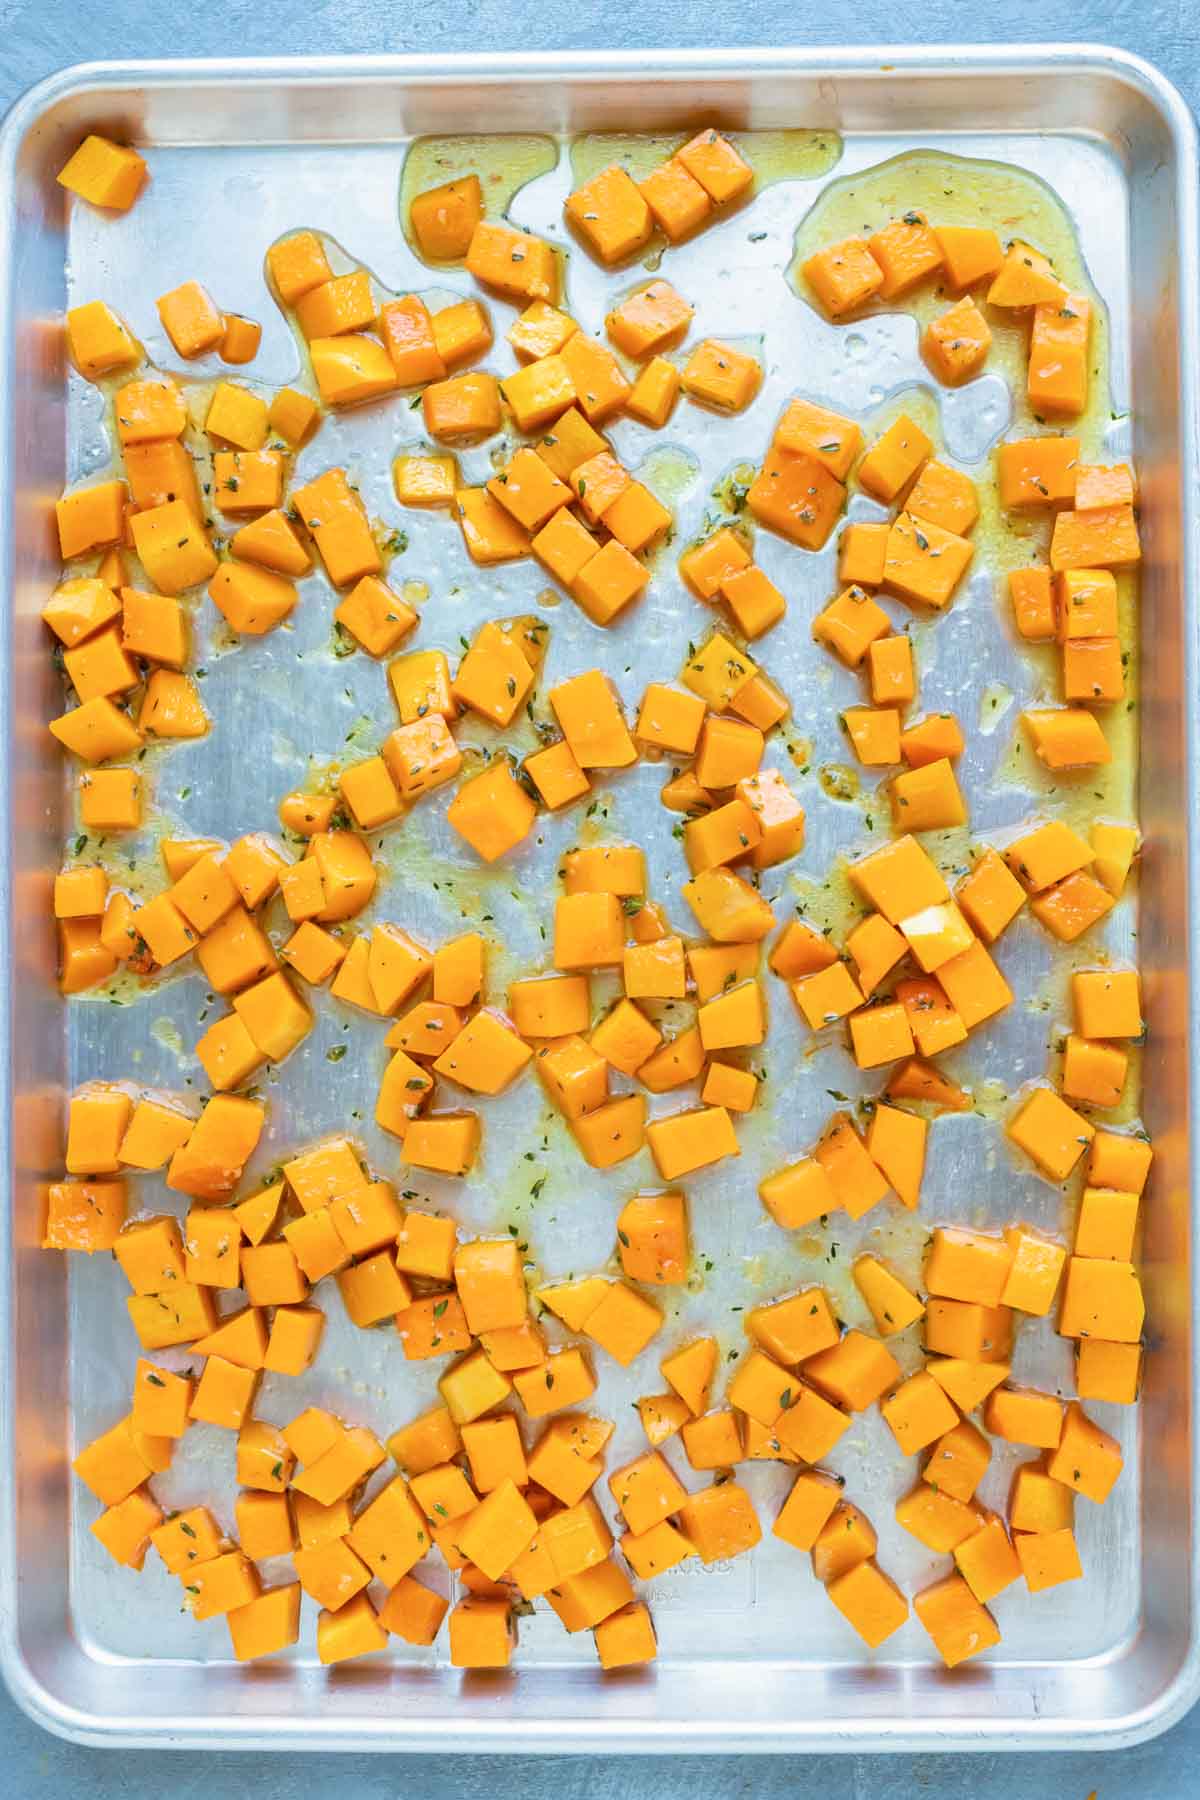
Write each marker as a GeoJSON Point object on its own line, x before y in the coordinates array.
{"type": "Point", "coordinates": [590, 1731]}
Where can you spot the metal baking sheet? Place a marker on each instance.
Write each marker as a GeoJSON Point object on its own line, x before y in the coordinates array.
{"type": "Point", "coordinates": [752, 1657]}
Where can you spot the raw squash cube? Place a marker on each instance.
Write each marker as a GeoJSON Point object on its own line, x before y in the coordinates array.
{"type": "Point", "coordinates": [678, 201]}
{"type": "Point", "coordinates": [104, 173]}
{"type": "Point", "coordinates": [843, 276]}
{"type": "Point", "coordinates": [611, 215]}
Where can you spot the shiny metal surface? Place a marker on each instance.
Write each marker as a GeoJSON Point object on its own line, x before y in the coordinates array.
{"type": "Point", "coordinates": [751, 1657]}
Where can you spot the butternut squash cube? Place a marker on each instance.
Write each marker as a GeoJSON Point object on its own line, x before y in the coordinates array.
{"type": "Point", "coordinates": [490, 533]}
{"type": "Point", "coordinates": [574, 1075]}
{"type": "Point", "coordinates": [794, 1329]}
{"type": "Point", "coordinates": [1032, 603]}
{"type": "Point", "coordinates": [966, 1331]}
{"type": "Point", "coordinates": [1047, 1558]}
{"type": "Point", "coordinates": [375, 616]}
{"type": "Point", "coordinates": [98, 341]}
{"type": "Point", "coordinates": [1058, 356]}
{"type": "Point", "coordinates": [970, 254]}
{"type": "Point", "coordinates": [1105, 1371]}
{"type": "Point", "coordinates": [850, 624]}
{"type": "Point", "coordinates": [720, 1521]}
{"type": "Point", "coordinates": [654, 393]}
{"type": "Point", "coordinates": [601, 385]}
{"type": "Point", "coordinates": [461, 333]}
{"type": "Point", "coordinates": [684, 1142]}
{"type": "Point", "coordinates": [564, 546]}
{"type": "Point", "coordinates": [422, 755]}
{"type": "Point", "coordinates": [190, 319]}
{"type": "Point", "coordinates": [807, 1509]}
{"type": "Point", "coordinates": [1067, 737]}
{"type": "Point", "coordinates": [1037, 1502]}
{"type": "Point", "coordinates": [1071, 906]}
{"type": "Point", "coordinates": [987, 1561]}
{"type": "Point", "coordinates": [173, 547]}
{"type": "Point", "coordinates": [609, 581]}
{"type": "Point", "coordinates": [529, 490]}
{"type": "Point", "coordinates": [1093, 1072]}
{"type": "Point", "coordinates": [354, 1630]}
{"type": "Point", "coordinates": [104, 173]}
{"type": "Point", "coordinates": [936, 1519]}
{"type": "Point", "coordinates": [1024, 1417]}
{"type": "Point", "coordinates": [1025, 278]}
{"type": "Point", "coordinates": [295, 1339]}
{"type": "Point", "coordinates": [843, 276]}
{"type": "Point", "coordinates": [721, 377]}
{"type": "Point", "coordinates": [610, 214]}
{"type": "Point", "coordinates": [1107, 1224]}
{"type": "Point", "coordinates": [110, 799]}
{"type": "Point", "coordinates": [855, 1371]}
{"type": "Point", "coordinates": [955, 344]}
{"type": "Point", "coordinates": [541, 330]}
{"type": "Point", "coordinates": [1101, 1298]}
{"type": "Point", "coordinates": [968, 1383]}
{"type": "Point", "coordinates": [445, 1144]}
{"type": "Point", "coordinates": [413, 1612]}
{"type": "Point", "coordinates": [918, 1412]}
{"type": "Point", "coordinates": [292, 416]}
{"type": "Point", "coordinates": [728, 908]}
{"type": "Point", "coordinates": [564, 1379]}
{"type": "Point", "coordinates": [625, 1037]}
{"type": "Point", "coordinates": [893, 1306]}
{"type": "Point", "coordinates": [652, 1237]}
{"type": "Point", "coordinates": [959, 1626]}
{"type": "Point", "coordinates": [795, 496]}
{"type": "Point", "coordinates": [636, 518]}
{"type": "Point", "coordinates": [846, 1540]}
{"type": "Point", "coordinates": [1050, 1132]}
{"type": "Point", "coordinates": [571, 442]}
{"type": "Point", "coordinates": [240, 340]}
{"type": "Point", "coordinates": [924, 562]}
{"type": "Point", "coordinates": [350, 369]}
{"type": "Point", "coordinates": [928, 798]}
{"type": "Point", "coordinates": [513, 262]}
{"type": "Point", "coordinates": [224, 1394]}
{"type": "Point", "coordinates": [442, 220]}
{"type": "Point", "coordinates": [655, 971]}
{"type": "Point", "coordinates": [958, 1461]}
{"type": "Point", "coordinates": [1034, 1272]}
{"type": "Point", "coordinates": [826, 996]}
{"type": "Point", "coordinates": [84, 1215]}
{"type": "Point", "coordinates": [1105, 537]}
{"type": "Point", "coordinates": [870, 1601]}
{"type": "Point", "coordinates": [590, 718]}
{"type": "Point", "coordinates": [896, 1145]}
{"type": "Point", "coordinates": [492, 812]}
{"type": "Point", "coordinates": [874, 733]}
{"type": "Point", "coordinates": [713, 1441]}
{"type": "Point", "coordinates": [613, 1132]}
{"type": "Point", "coordinates": [623, 1323]}
{"type": "Point", "coordinates": [265, 1625]}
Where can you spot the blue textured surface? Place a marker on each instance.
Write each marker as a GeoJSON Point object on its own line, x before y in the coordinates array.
{"type": "Point", "coordinates": [38, 36]}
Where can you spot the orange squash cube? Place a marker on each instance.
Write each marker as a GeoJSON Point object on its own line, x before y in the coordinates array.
{"type": "Point", "coordinates": [104, 173]}
{"type": "Point", "coordinates": [959, 1626]}
{"type": "Point", "coordinates": [844, 276]}
{"type": "Point", "coordinates": [190, 319]}
{"type": "Point", "coordinates": [720, 377]}
{"type": "Point", "coordinates": [955, 344]}
{"type": "Point", "coordinates": [677, 199]}
{"type": "Point", "coordinates": [610, 214]}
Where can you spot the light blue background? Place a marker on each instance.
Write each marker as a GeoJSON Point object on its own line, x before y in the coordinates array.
{"type": "Point", "coordinates": [38, 36]}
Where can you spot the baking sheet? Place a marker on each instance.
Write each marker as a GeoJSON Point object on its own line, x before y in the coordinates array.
{"type": "Point", "coordinates": [288, 702]}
